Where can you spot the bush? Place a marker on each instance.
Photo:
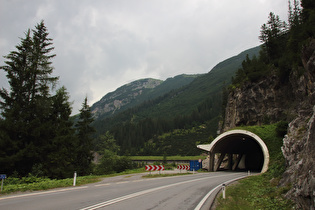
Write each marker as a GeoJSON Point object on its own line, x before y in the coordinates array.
{"type": "Point", "coordinates": [112, 163]}
{"type": "Point", "coordinates": [282, 128]}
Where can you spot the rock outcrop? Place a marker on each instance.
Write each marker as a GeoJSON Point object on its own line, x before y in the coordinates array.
{"type": "Point", "coordinates": [123, 96]}
{"type": "Point", "coordinates": [298, 150]}
{"type": "Point", "coordinates": [299, 143]}
{"type": "Point", "coordinates": [255, 104]}
{"type": "Point", "coordinates": [270, 101]}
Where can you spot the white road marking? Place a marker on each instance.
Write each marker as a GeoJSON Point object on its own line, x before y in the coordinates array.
{"type": "Point", "coordinates": [116, 200]}
{"type": "Point", "coordinates": [42, 193]}
{"type": "Point", "coordinates": [99, 185]}
{"type": "Point", "coordinates": [122, 182]}
{"type": "Point", "coordinates": [198, 207]}
{"type": "Point", "coordinates": [139, 180]}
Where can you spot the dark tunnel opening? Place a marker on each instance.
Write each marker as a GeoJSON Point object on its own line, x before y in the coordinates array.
{"type": "Point", "coordinates": [238, 150]}
{"type": "Point", "coordinates": [237, 145]}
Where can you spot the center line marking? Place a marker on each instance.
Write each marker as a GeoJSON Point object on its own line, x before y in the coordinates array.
{"type": "Point", "coordinates": [99, 185]}
{"type": "Point", "coordinates": [122, 182]}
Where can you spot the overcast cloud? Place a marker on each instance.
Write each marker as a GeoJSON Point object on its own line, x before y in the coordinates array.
{"type": "Point", "coordinates": [103, 44]}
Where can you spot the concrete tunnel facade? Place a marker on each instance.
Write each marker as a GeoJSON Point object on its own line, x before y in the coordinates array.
{"type": "Point", "coordinates": [241, 148]}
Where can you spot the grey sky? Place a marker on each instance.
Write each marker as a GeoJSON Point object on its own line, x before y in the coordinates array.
{"type": "Point", "coordinates": [103, 44]}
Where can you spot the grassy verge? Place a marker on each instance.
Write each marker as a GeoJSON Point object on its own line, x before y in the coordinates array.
{"type": "Point", "coordinates": [160, 158]}
{"type": "Point", "coordinates": [261, 191]}
{"type": "Point", "coordinates": [164, 175]}
{"type": "Point", "coordinates": [256, 192]}
{"type": "Point", "coordinates": [32, 183]}
{"type": "Point", "coordinates": [12, 185]}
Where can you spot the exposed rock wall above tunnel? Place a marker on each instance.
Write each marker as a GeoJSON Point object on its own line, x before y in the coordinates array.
{"type": "Point", "coordinates": [254, 104]}
{"type": "Point", "coordinates": [271, 100]}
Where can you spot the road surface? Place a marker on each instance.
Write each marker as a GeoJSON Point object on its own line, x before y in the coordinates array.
{"type": "Point", "coordinates": [126, 192]}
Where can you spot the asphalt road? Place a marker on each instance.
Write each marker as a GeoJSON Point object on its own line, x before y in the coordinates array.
{"type": "Point", "coordinates": [126, 192]}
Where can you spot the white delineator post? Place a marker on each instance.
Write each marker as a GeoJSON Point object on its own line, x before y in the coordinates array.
{"type": "Point", "coordinates": [223, 191]}
{"type": "Point", "coordinates": [74, 178]}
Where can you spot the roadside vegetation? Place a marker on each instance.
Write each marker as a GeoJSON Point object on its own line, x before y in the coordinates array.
{"type": "Point", "coordinates": [33, 183]}
{"type": "Point", "coordinates": [164, 175]}
{"type": "Point", "coordinates": [161, 158]}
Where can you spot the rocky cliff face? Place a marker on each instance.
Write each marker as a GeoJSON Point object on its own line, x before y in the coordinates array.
{"type": "Point", "coordinates": [255, 104]}
{"type": "Point", "coordinates": [123, 96]}
{"type": "Point", "coordinates": [298, 150]}
{"type": "Point", "coordinates": [299, 143]}
{"type": "Point", "coordinates": [270, 101]}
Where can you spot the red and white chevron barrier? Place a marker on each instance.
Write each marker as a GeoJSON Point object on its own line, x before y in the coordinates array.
{"type": "Point", "coordinates": [183, 167]}
{"type": "Point", "coordinates": [154, 168]}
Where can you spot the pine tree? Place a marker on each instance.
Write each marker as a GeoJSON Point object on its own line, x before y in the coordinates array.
{"type": "Point", "coordinates": [59, 161]}
{"type": "Point", "coordinates": [13, 126]}
{"type": "Point", "coordinates": [25, 108]}
{"type": "Point", "coordinates": [270, 34]}
{"type": "Point", "coordinates": [84, 145]}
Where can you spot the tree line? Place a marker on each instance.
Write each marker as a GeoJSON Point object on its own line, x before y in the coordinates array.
{"type": "Point", "coordinates": [132, 132]}
{"type": "Point", "coordinates": [37, 134]}
{"type": "Point", "coordinates": [282, 45]}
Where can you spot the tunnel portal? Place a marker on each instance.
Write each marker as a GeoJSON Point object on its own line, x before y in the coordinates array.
{"type": "Point", "coordinates": [237, 150]}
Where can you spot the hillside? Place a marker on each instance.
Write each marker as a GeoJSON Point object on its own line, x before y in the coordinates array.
{"type": "Point", "coordinates": [125, 95]}
{"type": "Point", "coordinates": [199, 102]}
{"type": "Point", "coordinates": [136, 92]}
{"type": "Point", "coordinates": [186, 100]}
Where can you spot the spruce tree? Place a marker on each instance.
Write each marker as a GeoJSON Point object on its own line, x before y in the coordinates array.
{"type": "Point", "coordinates": [13, 103]}
{"type": "Point", "coordinates": [25, 108]}
{"type": "Point", "coordinates": [84, 145]}
{"type": "Point", "coordinates": [270, 34]}
{"type": "Point", "coordinates": [59, 161]}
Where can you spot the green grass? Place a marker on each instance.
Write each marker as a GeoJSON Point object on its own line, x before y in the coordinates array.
{"type": "Point", "coordinates": [32, 183]}
{"type": "Point", "coordinates": [260, 191]}
{"type": "Point", "coordinates": [164, 175]}
{"type": "Point", "coordinates": [160, 158]}
{"type": "Point", "coordinates": [256, 192]}
{"type": "Point", "coordinates": [11, 185]}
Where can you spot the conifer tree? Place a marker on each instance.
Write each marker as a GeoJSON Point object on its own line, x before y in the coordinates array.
{"type": "Point", "coordinates": [59, 161]}
{"type": "Point", "coordinates": [270, 34]}
{"type": "Point", "coordinates": [84, 145]}
{"type": "Point", "coordinates": [25, 107]}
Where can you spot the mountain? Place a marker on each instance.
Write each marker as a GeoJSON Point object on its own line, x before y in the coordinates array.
{"type": "Point", "coordinates": [162, 109]}
{"type": "Point", "coordinates": [123, 96]}
{"type": "Point", "coordinates": [136, 92]}
{"type": "Point", "coordinates": [185, 100]}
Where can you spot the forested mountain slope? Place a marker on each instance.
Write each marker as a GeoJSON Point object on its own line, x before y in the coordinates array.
{"type": "Point", "coordinates": [195, 103]}
{"type": "Point", "coordinates": [136, 92]}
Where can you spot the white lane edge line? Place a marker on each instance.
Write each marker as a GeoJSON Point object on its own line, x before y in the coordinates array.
{"type": "Point", "coordinates": [115, 200]}
{"type": "Point", "coordinates": [198, 207]}
{"type": "Point", "coordinates": [40, 193]}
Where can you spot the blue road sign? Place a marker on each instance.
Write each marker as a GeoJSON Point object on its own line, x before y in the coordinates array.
{"type": "Point", "coordinates": [3, 176]}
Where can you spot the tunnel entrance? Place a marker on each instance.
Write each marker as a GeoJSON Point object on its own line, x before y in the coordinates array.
{"type": "Point", "coordinates": [237, 150]}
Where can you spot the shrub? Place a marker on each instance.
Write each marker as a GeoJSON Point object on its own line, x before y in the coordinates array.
{"type": "Point", "coordinates": [281, 128]}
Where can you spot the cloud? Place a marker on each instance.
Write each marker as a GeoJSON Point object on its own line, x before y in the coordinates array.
{"type": "Point", "coordinates": [101, 45]}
